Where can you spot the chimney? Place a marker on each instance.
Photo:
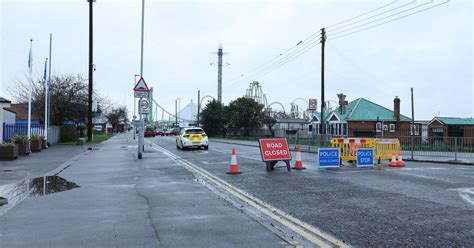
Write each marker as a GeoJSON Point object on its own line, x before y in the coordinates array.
{"type": "Point", "coordinates": [396, 109]}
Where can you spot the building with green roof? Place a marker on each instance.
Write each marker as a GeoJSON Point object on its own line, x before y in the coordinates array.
{"type": "Point", "coordinates": [443, 128]}
{"type": "Point", "coordinates": [364, 118]}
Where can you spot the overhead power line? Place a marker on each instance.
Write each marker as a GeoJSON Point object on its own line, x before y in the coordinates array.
{"type": "Point", "coordinates": [370, 17]}
{"type": "Point", "coordinates": [363, 14]}
{"type": "Point", "coordinates": [383, 18]}
{"type": "Point", "coordinates": [392, 20]}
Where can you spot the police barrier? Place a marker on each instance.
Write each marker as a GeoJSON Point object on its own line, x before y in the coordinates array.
{"type": "Point", "coordinates": [383, 148]}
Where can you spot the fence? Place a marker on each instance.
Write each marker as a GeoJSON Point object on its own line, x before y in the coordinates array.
{"type": "Point", "coordinates": [10, 130]}
{"type": "Point", "coordinates": [415, 147]}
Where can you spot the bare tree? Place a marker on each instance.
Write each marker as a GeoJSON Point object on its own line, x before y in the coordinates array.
{"type": "Point", "coordinates": [68, 98]}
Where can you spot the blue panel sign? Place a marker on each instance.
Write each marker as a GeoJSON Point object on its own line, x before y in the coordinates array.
{"type": "Point", "coordinates": [329, 157]}
{"type": "Point", "coordinates": [365, 157]}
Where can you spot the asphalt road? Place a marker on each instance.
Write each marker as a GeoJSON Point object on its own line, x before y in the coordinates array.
{"type": "Point", "coordinates": [422, 204]}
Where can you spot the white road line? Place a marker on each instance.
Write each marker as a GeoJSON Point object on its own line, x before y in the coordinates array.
{"type": "Point", "coordinates": [304, 229]}
{"type": "Point", "coordinates": [467, 194]}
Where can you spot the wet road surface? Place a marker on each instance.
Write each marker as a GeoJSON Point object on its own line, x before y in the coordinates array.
{"type": "Point", "coordinates": [422, 204]}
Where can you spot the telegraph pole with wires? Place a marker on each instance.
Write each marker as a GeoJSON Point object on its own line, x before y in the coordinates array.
{"type": "Point", "coordinates": [219, 73]}
{"type": "Point", "coordinates": [323, 103]}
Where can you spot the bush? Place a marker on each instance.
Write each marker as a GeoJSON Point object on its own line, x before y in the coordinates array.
{"type": "Point", "coordinates": [20, 139]}
{"type": "Point", "coordinates": [68, 133]}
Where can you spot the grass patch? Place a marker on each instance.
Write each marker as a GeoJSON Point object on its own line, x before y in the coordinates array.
{"type": "Point", "coordinates": [96, 139]}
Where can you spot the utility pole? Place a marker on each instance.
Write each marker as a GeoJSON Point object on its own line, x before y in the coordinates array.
{"type": "Point", "coordinates": [199, 106]}
{"type": "Point", "coordinates": [89, 112]}
{"type": "Point", "coordinates": [219, 73]}
{"type": "Point", "coordinates": [412, 122]}
{"type": "Point", "coordinates": [323, 104]}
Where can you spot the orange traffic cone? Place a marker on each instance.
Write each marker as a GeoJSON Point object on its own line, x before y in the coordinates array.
{"type": "Point", "coordinates": [393, 163]}
{"type": "Point", "coordinates": [234, 167]}
{"type": "Point", "coordinates": [400, 162]}
{"type": "Point", "coordinates": [298, 163]}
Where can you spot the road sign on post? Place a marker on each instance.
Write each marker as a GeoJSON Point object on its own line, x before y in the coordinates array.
{"type": "Point", "coordinates": [144, 106]}
{"type": "Point", "coordinates": [141, 90]}
{"type": "Point", "coordinates": [365, 157]}
{"type": "Point", "coordinates": [274, 150]}
{"type": "Point", "coordinates": [313, 104]}
{"type": "Point", "coordinates": [329, 157]}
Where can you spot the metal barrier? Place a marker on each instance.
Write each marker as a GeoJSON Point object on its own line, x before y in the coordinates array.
{"type": "Point", "coordinates": [383, 148]}
{"type": "Point", "coordinates": [10, 130]}
{"type": "Point", "coordinates": [386, 148]}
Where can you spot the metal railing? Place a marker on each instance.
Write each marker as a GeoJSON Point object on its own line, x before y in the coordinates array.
{"type": "Point", "coordinates": [11, 130]}
{"type": "Point", "coordinates": [412, 147]}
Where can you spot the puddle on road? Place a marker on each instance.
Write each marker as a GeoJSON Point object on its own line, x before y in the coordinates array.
{"type": "Point", "coordinates": [32, 187]}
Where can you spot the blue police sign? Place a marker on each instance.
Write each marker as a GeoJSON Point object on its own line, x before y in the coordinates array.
{"type": "Point", "coordinates": [329, 157]}
{"type": "Point", "coordinates": [365, 157]}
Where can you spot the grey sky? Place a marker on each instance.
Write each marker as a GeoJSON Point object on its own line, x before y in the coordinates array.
{"type": "Point", "coordinates": [430, 51]}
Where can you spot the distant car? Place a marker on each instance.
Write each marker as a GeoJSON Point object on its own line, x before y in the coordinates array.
{"type": "Point", "coordinates": [192, 137]}
{"type": "Point", "coordinates": [160, 132]}
{"type": "Point", "coordinates": [172, 132]}
{"type": "Point", "coordinates": [150, 132]}
{"type": "Point", "coordinates": [98, 129]}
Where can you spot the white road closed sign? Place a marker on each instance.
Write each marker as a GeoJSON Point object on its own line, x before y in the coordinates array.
{"type": "Point", "coordinates": [144, 106]}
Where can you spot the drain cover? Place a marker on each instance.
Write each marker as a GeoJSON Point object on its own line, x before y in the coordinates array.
{"type": "Point", "coordinates": [3, 201]}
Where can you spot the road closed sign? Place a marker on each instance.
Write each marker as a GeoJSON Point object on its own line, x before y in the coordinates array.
{"type": "Point", "coordinates": [274, 149]}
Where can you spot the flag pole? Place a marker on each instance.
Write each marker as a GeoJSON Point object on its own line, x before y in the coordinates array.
{"type": "Point", "coordinates": [45, 101]}
{"type": "Point", "coordinates": [30, 67]}
{"type": "Point", "coordinates": [49, 80]}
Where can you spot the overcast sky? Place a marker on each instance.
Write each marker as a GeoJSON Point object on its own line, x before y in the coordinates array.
{"type": "Point", "coordinates": [431, 51]}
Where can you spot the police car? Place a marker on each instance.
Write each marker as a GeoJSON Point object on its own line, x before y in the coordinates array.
{"type": "Point", "coordinates": [192, 137]}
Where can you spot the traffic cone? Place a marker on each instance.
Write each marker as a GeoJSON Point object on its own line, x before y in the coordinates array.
{"type": "Point", "coordinates": [393, 163]}
{"type": "Point", "coordinates": [400, 162]}
{"type": "Point", "coordinates": [234, 167]}
{"type": "Point", "coordinates": [298, 163]}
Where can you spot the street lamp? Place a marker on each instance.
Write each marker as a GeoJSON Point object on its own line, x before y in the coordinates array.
{"type": "Point", "coordinates": [91, 68]}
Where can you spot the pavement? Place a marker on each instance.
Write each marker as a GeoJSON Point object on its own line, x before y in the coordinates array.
{"type": "Point", "coordinates": [422, 204]}
{"type": "Point", "coordinates": [109, 198]}
{"type": "Point", "coordinates": [418, 156]}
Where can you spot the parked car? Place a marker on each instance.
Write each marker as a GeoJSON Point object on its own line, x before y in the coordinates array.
{"type": "Point", "coordinates": [160, 132]}
{"type": "Point", "coordinates": [150, 132]}
{"type": "Point", "coordinates": [192, 137]}
{"type": "Point", "coordinates": [172, 132]}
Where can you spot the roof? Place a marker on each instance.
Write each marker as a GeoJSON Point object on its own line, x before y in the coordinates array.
{"type": "Point", "coordinates": [292, 120]}
{"type": "Point", "coordinates": [3, 100]}
{"type": "Point", "coordinates": [364, 110]}
{"type": "Point", "coordinates": [189, 112]}
{"type": "Point", "coordinates": [454, 120]}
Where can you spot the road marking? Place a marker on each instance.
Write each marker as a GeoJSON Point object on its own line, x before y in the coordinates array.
{"type": "Point", "coordinates": [467, 194]}
{"type": "Point", "coordinates": [312, 234]}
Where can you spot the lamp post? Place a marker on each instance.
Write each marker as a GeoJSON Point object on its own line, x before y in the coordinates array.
{"type": "Point", "coordinates": [89, 112]}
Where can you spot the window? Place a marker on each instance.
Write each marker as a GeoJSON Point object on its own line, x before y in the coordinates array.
{"type": "Point", "coordinates": [414, 130]}
{"type": "Point", "coordinates": [378, 127]}
{"type": "Point", "coordinates": [392, 128]}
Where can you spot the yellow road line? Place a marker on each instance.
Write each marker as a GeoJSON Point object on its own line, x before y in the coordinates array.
{"type": "Point", "coordinates": [307, 231]}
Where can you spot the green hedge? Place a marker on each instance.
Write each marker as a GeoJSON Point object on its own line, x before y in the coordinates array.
{"type": "Point", "coordinates": [68, 133]}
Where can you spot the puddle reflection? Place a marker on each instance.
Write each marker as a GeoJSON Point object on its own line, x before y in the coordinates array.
{"type": "Point", "coordinates": [13, 194]}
